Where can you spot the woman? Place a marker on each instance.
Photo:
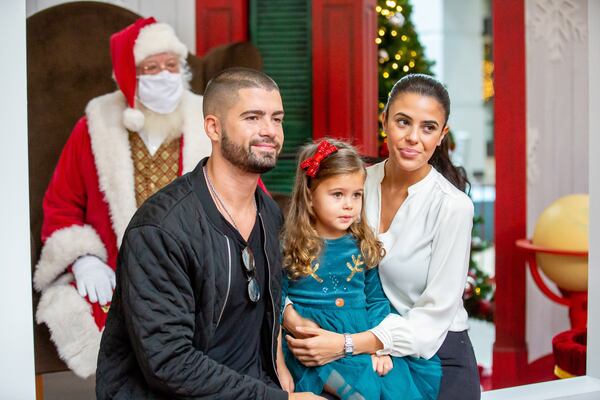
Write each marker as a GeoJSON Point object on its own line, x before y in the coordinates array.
{"type": "Point", "coordinates": [415, 203]}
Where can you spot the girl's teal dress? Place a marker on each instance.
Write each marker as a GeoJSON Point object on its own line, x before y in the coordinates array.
{"type": "Point", "coordinates": [342, 296]}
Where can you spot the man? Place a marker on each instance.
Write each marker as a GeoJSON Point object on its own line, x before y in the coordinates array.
{"type": "Point", "coordinates": [129, 144]}
{"type": "Point", "coordinates": [195, 312]}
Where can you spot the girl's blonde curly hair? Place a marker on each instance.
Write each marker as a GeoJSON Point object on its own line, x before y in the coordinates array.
{"type": "Point", "coordinates": [301, 242]}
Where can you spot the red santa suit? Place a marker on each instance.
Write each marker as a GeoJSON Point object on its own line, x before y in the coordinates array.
{"type": "Point", "coordinates": [88, 204]}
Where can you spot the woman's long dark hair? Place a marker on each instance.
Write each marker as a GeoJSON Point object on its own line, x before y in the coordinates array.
{"type": "Point", "coordinates": [426, 85]}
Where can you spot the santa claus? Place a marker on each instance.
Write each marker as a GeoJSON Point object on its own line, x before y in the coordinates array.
{"type": "Point", "coordinates": [129, 144]}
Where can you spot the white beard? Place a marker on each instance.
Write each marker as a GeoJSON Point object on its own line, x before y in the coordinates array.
{"type": "Point", "coordinates": [166, 126]}
{"type": "Point", "coordinates": [160, 128]}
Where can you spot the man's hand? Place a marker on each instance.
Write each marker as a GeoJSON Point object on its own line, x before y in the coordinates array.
{"type": "Point", "coordinates": [382, 364]}
{"type": "Point", "coordinates": [319, 348]}
{"type": "Point", "coordinates": [94, 279]}
{"type": "Point", "coordinates": [305, 396]}
{"type": "Point", "coordinates": [285, 378]}
{"type": "Point", "coordinates": [292, 320]}
{"type": "Point", "coordinates": [283, 373]}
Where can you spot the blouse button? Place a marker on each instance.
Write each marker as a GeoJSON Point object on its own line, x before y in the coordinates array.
{"type": "Point", "coordinates": [339, 302]}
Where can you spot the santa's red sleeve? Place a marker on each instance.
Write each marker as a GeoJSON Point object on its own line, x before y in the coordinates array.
{"type": "Point", "coordinates": [65, 234]}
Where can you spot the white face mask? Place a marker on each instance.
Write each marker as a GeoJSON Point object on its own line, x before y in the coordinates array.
{"type": "Point", "coordinates": [160, 92]}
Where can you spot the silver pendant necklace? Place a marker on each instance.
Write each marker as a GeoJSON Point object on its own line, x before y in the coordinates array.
{"type": "Point", "coordinates": [247, 255]}
{"type": "Point", "coordinates": [220, 200]}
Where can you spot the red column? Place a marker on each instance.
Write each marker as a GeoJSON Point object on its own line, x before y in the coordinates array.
{"type": "Point", "coordinates": [510, 349]}
{"type": "Point", "coordinates": [345, 71]}
{"type": "Point", "coordinates": [220, 22]}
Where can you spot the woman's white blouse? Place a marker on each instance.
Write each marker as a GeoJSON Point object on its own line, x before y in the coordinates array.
{"type": "Point", "coordinates": [425, 267]}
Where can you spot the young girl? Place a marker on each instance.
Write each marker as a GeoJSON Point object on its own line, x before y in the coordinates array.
{"type": "Point", "coordinates": [330, 256]}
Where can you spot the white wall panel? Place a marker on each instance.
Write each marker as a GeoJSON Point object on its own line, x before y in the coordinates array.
{"type": "Point", "coordinates": [16, 333]}
{"type": "Point", "coordinates": [557, 133]}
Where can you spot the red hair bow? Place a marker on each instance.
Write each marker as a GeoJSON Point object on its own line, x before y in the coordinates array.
{"type": "Point", "coordinates": [311, 164]}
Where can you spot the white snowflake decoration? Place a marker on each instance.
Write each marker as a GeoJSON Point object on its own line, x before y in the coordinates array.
{"type": "Point", "coordinates": [557, 22]}
{"type": "Point", "coordinates": [533, 169]}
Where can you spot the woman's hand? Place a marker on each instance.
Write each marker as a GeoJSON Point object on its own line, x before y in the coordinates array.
{"type": "Point", "coordinates": [293, 320]}
{"type": "Point", "coordinates": [382, 364]}
{"type": "Point", "coordinates": [319, 347]}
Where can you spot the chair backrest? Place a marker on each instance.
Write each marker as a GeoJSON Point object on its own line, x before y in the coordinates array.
{"type": "Point", "coordinates": [68, 63]}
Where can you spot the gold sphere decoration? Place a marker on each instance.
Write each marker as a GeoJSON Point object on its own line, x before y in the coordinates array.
{"type": "Point", "coordinates": [564, 225]}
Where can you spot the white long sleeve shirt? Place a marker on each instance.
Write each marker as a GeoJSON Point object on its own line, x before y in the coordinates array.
{"type": "Point", "coordinates": [425, 267]}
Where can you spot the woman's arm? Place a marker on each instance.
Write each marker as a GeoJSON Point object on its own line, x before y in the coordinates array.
{"type": "Point", "coordinates": [320, 347]}
{"type": "Point", "coordinates": [422, 330]}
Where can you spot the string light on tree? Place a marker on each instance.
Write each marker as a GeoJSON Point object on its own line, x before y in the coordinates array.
{"type": "Point", "coordinates": [400, 51]}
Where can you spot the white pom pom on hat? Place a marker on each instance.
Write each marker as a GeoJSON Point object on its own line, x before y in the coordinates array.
{"type": "Point", "coordinates": [129, 47]}
{"type": "Point", "coordinates": [133, 119]}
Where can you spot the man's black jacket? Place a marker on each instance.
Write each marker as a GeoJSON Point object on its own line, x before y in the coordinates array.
{"type": "Point", "coordinates": [172, 282]}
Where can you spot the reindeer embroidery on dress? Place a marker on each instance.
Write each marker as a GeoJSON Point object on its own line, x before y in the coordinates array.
{"type": "Point", "coordinates": [357, 261]}
{"type": "Point", "coordinates": [312, 271]}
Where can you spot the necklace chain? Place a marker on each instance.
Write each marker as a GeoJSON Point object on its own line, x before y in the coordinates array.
{"type": "Point", "coordinates": [218, 197]}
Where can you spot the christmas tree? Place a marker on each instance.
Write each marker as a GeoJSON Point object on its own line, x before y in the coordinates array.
{"type": "Point", "coordinates": [400, 52]}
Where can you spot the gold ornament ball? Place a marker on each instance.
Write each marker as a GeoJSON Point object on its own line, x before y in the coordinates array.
{"type": "Point", "coordinates": [564, 225]}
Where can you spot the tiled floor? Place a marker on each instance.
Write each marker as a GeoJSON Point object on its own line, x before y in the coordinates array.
{"type": "Point", "coordinates": [67, 386]}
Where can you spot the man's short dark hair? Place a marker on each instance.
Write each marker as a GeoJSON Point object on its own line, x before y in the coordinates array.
{"type": "Point", "coordinates": [222, 90]}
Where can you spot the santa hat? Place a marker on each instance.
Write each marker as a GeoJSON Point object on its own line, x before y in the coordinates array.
{"type": "Point", "coordinates": [129, 47]}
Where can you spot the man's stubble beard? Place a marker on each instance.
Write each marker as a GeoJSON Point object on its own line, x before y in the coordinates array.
{"type": "Point", "coordinates": [244, 159]}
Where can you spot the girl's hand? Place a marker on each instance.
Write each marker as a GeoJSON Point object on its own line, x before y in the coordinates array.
{"type": "Point", "coordinates": [319, 347]}
{"type": "Point", "coordinates": [292, 320]}
{"type": "Point", "coordinates": [382, 364]}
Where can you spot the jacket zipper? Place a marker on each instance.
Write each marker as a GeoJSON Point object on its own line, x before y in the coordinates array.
{"type": "Point", "coordinates": [228, 283]}
{"type": "Point", "coordinates": [270, 293]}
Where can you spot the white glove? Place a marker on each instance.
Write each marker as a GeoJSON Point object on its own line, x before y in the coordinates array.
{"type": "Point", "coordinates": [94, 279]}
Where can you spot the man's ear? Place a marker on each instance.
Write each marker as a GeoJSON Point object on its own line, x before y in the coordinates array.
{"type": "Point", "coordinates": [212, 127]}
{"type": "Point", "coordinates": [443, 135]}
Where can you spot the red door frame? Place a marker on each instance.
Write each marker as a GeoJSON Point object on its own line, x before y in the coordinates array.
{"type": "Point", "coordinates": [345, 71]}
{"type": "Point", "coordinates": [220, 22]}
{"type": "Point", "coordinates": [510, 348]}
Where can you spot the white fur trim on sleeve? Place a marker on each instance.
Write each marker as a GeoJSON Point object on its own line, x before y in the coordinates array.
{"type": "Point", "coordinates": [72, 327]}
{"type": "Point", "coordinates": [62, 248]}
